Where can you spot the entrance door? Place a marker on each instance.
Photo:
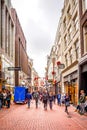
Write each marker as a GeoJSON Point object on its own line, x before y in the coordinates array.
{"type": "Point", "coordinates": [84, 82]}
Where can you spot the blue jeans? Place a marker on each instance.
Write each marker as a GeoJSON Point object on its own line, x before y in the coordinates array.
{"type": "Point", "coordinates": [59, 101]}
{"type": "Point", "coordinates": [28, 103]}
{"type": "Point", "coordinates": [50, 103]}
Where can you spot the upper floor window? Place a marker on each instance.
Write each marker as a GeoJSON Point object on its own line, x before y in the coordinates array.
{"type": "Point", "coordinates": [66, 60]}
{"type": "Point", "coordinates": [75, 20]}
{"type": "Point", "coordinates": [85, 38]}
{"type": "Point", "coordinates": [69, 32]}
{"type": "Point", "coordinates": [64, 23]}
{"type": "Point", "coordinates": [84, 3]}
{"type": "Point", "coordinates": [65, 41]}
{"type": "Point", "coordinates": [77, 49]}
{"type": "Point", "coordinates": [69, 13]}
{"type": "Point", "coordinates": [70, 53]}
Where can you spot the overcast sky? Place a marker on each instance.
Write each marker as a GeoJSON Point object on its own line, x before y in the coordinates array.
{"type": "Point", "coordinates": [39, 21]}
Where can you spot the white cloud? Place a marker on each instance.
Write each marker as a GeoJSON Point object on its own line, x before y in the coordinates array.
{"type": "Point", "coordinates": [39, 20]}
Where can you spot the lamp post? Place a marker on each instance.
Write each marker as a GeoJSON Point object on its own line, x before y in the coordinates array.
{"type": "Point", "coordinates": [53, 71]}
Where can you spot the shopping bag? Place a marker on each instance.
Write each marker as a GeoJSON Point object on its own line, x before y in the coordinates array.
{"type": "Point", "coordinates": [67, 104]}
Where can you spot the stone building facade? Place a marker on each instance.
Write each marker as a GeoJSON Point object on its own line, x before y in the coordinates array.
{"type": "Point", "coordinates": [68, 49]}
{"type": "Point", "coordinates": [21, 57]}
{"type": "Point", "coordinates": [71, 48]}
{"type": "Point", "coordinates": [7, 46]}
{"type": "Point", "coordinates": [83, 42]}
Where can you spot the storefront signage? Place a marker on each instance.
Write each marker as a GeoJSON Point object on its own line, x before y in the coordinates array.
{"type": "Point", "coordinates": [61, 66]}
{"type": "Point", "coordinates": [14, 68]}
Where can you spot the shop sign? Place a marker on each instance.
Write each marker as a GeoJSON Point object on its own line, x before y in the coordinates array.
{"type": "Point", "coordinates": [61, 66]}
{"type": "Point", "coordinates": [14, 68]}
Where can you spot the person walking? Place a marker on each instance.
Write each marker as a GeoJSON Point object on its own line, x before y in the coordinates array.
{"type": "Point", "coordinates": [45, 99]}
{"type": "Point", "coordinates": [1, 99]}
{"type": "Point", "coordinates": [51, 98]}
{"type": "Point", "coordinates": [59, 98]}
{"type": "Point", "coordinates": [82, 101]}
{"type": "Point", "coordinates": [4, 97]}
{"type": "Point", "coordinates": [29, 97]}
{"type": "Point", "coordinates": [8, 98]}
{"type": "Point", "coordinates": [36, 97]}
{"type": "Point", "coordinates": [67, 103]}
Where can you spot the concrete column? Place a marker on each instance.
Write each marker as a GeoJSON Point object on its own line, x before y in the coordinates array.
{"type": "Point", "coordinates": [7, 32]}
{"type": "Point", "coordinates": [3, 26]}
{"type": "Point", "coordinates": [12, 41]}
{"type": "Point", "coordinates": [9, 37]}
{"type": "Point", "coordinates": [73, 53]}
{"type": "Point", "coordinates": [0, 23]}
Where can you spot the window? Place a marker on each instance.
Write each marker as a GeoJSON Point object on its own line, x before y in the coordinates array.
{"type": "Point", "coordinates": [75, 20]}
{"type": "Point", "coordinates": [85, 38]}
{"type": "Point", "coordinates": [66, 60]}
{"type": "Point", "coordinates": [69, 32]}
{"type": "Point", "coordinates": [69, 13]}
{"type": "Point", "coordinates": [70, 53]}
{"type": "Point", "coordinates": [65, 41]}
{"type": "Point", "coordinates": [73, 1]}
{"type": "Point", "coordinates": [84, 2]}
{"type": "Point", "coordinates": [77, 49]}
{"type": "Point", "coordinates": [64, 23]}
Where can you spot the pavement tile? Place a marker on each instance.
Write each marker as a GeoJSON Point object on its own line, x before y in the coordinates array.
{"type": "Point", "coordinates": [20, 117]}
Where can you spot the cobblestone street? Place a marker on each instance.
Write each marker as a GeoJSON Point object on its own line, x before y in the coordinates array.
{"type": "Point", "coordinates": [19, 117]}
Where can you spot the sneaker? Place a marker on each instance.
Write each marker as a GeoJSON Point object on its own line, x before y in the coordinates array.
{"type": "Point", "coordinates": [75, 110]}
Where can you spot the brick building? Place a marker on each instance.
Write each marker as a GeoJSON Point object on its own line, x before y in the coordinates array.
{"type": "Point", "coordinates": [21, 57]}
{"type": "Point", "coordinates": [7, 46]}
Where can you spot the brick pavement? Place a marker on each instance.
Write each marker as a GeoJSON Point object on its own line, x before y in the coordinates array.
{"type": "Point", "coordinates": [19, 117]}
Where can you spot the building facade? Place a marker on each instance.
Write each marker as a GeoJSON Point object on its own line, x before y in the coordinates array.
{"type": "Point", "coordinates": [21, 57]}
{"type": "Point", "coordinates": [71, 48]}
{"type": "Point", "coordinates": [7, 46]}
{"type": "Point", "coordinates": [83, 42]}
{"type": "Point", "coordinates": [68, 50]}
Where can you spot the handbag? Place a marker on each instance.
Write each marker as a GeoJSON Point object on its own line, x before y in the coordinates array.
{"type": "Point", "coordinates": [67, 104]}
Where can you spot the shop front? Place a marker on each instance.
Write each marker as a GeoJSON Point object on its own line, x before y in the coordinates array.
{"type": "Point", "coordinates": [71, 87]}
{"type": "Point", "coordinates": [83, 75]}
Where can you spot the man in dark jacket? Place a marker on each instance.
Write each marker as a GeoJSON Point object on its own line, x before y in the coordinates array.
{"type": "Point", "coordinates": [8, 99]}
{"type": "Point", "coordinates": [1, 99]}
{"type": "Point", "coordinates": [51, 98]}
{"type": "Point", "coordinates": [45, 99]}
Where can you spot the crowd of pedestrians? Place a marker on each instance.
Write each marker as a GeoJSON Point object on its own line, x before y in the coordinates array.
{"type": "Point", "coordinates": [45, 97]}
{"type": "Point", "coordinates": [5, 98]}
{"type": "Point", "coordinates": [49, 98]}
